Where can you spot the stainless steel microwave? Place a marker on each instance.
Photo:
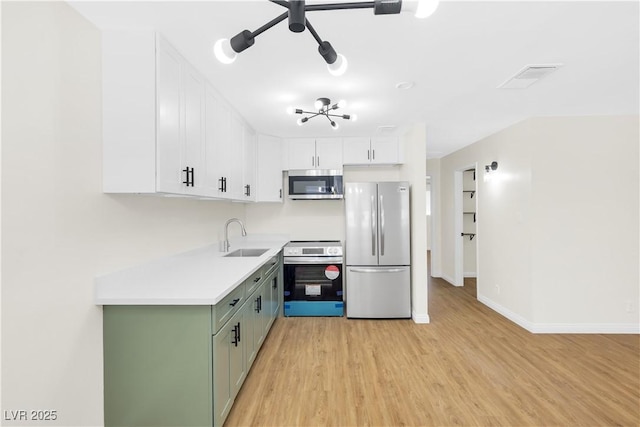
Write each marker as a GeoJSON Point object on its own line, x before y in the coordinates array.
{"type": "Point", "coordinates": [313, 184]}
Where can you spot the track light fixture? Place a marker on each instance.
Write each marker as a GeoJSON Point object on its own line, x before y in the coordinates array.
{"type": "Point", "coordinates": [324, 107]}
{"type": "Point", "coordinates": [226, 50]}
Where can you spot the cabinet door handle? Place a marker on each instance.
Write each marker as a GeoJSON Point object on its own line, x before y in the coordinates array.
{"type": "Point", "coordinates": [318, 162]}
{"type": "Point", "coordinates": [234, 302]}
{"type": "Point", "coordinates": [224, 184]}
{"type": "Point", "coordinates": [257, 309]}
{"type": "Point", "coordinates": [259, 303]}
{"type": "Point", "coordinates": [281, 193]}
{"type": "Point", "coordinates": [247, 190]}
{"type": "Point", "coordinates": [373, 154]}
{"type": "Point", "coordinates": [274, 284]}
{"type": "Point", "coordinates": [186, 176]}
{"type": "Point", "coordinates": [236, 336]}
{"type": "Point", "coordinates": [193, 177]}
{"type": "Point", "coordinates": [368, 154]}
{"type": "Point", "coordinates": [221, 187]}
{"type": "Point", "coordinates": [238, 332]}
{"type": "Point", "coordinates": [313, 160]}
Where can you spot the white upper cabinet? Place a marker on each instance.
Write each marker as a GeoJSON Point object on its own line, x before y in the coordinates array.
{"type": "Point", "coordinates": [217, 135]}
{"type": "Point", "coordinates": [249, 147]}
{"type": "Point", "coordinates": [153, 117]}
{"type": "Point", "coordinates": [230, 151]}
{"type": "Point", "coordinates": [302, 153]}
{"type": "Point", "coordinates": [315, 153]}
{"type": "Point", "coordinates": [370, 151]}
{"type": "Point", "coordinates": [180, 124]}
{"type": "Point", "coordinates": [269, 169]}
{"type": "Point", "coordinates": [165, 130]}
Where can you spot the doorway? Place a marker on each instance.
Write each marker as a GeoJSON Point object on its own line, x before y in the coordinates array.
{"type": "Point", "coordinates": [465, 227]}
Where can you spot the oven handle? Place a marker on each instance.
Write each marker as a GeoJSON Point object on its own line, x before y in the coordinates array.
{"type": "Point", "coordinates": [313, 260]}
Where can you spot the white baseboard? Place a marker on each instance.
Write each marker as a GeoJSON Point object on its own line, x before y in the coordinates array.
{"type": "Point", "coordinates": [449, 279]}
{"type": "Point", "coordinates": [562, 328]}
{"type": "Point", "coordinates": [586, 328]}
{"type": "Point", "coordinates": [516, 318]}
{"type": "Point", "coordinates": [420, 318]}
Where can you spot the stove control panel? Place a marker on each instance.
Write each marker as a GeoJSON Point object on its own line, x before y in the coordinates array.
{"type": "Point", "coordinates": [311, 249]}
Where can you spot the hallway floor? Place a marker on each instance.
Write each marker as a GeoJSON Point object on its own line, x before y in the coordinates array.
{"type": "Point", "coordinates": [469, 366]}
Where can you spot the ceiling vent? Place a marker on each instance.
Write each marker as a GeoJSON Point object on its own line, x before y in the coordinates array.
{"type": "Point", "coordinates": [529, 75]}
{"type": "Point", "coordinates": [384, 129]}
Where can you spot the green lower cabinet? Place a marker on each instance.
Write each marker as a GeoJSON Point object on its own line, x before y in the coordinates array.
{"type": "Point", "coordinates": [229, 365]}
{"type": "Point", "coordinates": [157, 366]}
{"type": "Point", "coordinates": [167, 366]}
{"type": "Point", "coordinates": [272, 292]}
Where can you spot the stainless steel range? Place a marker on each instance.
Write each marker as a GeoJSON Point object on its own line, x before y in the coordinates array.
{"type": "Point", "coordinates": [313, 278]}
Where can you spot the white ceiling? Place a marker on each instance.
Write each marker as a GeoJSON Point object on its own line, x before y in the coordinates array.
{"type": "Point", "coordinates": [456, 58]}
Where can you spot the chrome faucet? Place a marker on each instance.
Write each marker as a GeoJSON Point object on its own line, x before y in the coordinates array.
{"type": "Point", "coordinates": [225, 243]}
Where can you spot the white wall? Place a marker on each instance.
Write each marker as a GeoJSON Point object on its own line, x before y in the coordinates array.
{"type": "Point", "coordinates": [58, 229]}
{"type": "Point", "coordinates": [414, 171]}
{"type": "Point", "coordinates": [557, 223]}
{"type": "Point", "coordinates": [433, 170]}
{"type": "Point", "coordinates": [586, 229]}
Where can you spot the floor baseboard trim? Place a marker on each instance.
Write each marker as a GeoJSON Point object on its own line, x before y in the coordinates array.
{"type": "Point", "coordinates": [449, 279]}
{"type": "Point", "coordinates": [420, 318]}
{"type": "Point", "coordinates": [561, 328]}
{"type": "Point", "coordinates": [516, 318]}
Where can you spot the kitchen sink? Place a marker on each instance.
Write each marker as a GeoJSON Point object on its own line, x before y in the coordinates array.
{"type": "Point", "coordinates": [246, 252]}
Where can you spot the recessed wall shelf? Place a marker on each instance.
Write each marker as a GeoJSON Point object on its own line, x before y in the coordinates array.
{"type": "Point", "coordinates": [474, 173]}
{"type": "Point", "coordinates": [471, 213]}
{"type": "Point", "coordinates": [471, 235]}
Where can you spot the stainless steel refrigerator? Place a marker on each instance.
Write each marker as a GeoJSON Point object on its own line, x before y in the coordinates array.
{"type": "Point", "coordinates": [378, 250]}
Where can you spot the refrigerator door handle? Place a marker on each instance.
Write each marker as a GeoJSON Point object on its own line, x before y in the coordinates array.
{"type": "Point", "coordinates": [379, 270]}
{"type": "Point", "coordinates": [373, 226]}
{"type": "Point", "coordinates": [381, 226]}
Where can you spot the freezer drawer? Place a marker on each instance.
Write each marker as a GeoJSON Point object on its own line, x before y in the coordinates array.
{"type": "Point", "coordinates": [378, 292]}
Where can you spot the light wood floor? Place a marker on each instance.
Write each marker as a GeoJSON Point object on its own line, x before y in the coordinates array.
{"type": "Point", "coordinates": [469, 367]}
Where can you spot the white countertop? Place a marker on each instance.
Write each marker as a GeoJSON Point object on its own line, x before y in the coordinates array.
{"type": "Point", "coordinates": [201, 276]}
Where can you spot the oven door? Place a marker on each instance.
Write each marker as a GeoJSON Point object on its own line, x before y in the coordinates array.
{"type": "Point", "coordinates": [306, 281]}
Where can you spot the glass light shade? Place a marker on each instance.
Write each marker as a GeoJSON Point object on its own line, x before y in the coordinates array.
{"type": "Point", "coordinates": [354, 117]}
{"type": "Point", "coordinates": [318, 104]}
{"type": "Point", "coordinates": [290, 110]}
{"type": "Point", "coordinates": [426, 8]}
{"type": "Point", "coordinates": [300, 122]}
{"type": "Point", "coordinates": [339, 67]}
{"type": "Point", "coordinates": [224, 52]}
{"type": "Point", "coordinates": [335, 125]}
{"type": "Point", "coordinates": [342, 103]}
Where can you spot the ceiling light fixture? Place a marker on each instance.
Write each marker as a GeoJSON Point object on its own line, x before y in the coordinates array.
{"type": "Point", "coordinates": [226, 50]}
{"type": "Point", "coordinates": [324, 107]}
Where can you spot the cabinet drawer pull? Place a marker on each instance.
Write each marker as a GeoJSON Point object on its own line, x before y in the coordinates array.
{"type": "Point", "coordinates": [234, 302]}
{"type": "Point", "coordinates": [257, 279]}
